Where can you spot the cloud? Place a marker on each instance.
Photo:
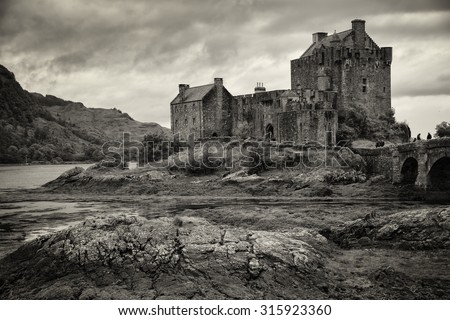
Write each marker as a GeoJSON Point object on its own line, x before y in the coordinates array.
{"type": "Point", "coordinates": [445, 77]}
{"type": "Point", "coordinates": [133, 54]}
{"type": "Point", "coordinates": [422, 113]}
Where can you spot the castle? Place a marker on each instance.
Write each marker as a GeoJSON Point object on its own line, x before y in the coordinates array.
{"type": "Point", "coordinates": [337, 72]}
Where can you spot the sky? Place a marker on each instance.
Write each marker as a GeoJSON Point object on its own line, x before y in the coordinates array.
{"type": "Point", "coordinates": [133, 54]}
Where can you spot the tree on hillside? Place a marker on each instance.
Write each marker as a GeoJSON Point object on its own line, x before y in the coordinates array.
{"type": "Point", "coordinates": [13, 154]}
{"type": "Point", "coordinates": [67, 152]}
{"type": "Point", "coordinates": [38, 156]}
{"type": "Point", "coordinates": [353, 123]}
{"type": "Point", "coordinates": [98, 155]}
{"type": "Point", "coordinates": [48, 153]}
{"type": "Point", "coordinates": [402, 130]}
{"type": "Point", "coordinates": [443, 129]}
{"type": "Point", "coordinates": [41, 134]}
{"type": "Point", "coordinates": [23, 152]}
{"type": "Point", "coordinates": [158, 147]}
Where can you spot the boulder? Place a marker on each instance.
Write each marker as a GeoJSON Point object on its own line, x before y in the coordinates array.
{"type": "Point", "coordinates": [411, 229]}
{"type": "Point", "coordinates": [135, 258]}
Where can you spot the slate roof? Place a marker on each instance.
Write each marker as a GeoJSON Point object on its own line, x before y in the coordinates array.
{"type": "Point", "coordinates": [326, 42]}
{"type": "Point", "coordinates": [194, 94]}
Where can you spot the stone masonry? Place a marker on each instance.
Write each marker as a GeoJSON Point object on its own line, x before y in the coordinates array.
{"type": "Point", "coordinates": [336, 72]}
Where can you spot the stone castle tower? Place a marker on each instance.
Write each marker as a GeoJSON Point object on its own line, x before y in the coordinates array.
{"type": "Point", "coordinates": [349, 63]}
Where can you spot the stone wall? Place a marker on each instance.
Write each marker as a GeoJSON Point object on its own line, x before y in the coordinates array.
{"type": "Point", "coordinates": [378, 161]}
{"type": "Point", "coordinates": [308, 117]}
{"type": "Point", "coordinates": [360, 73]}
{"type": "Point", "coordinates": [186, 118]}
{"type": "Point", "coordinates": [217, 114]}
{"type": "Point", "coordinates": [366, 82]}
{"type": "Point", "coordinates": [288, 127]}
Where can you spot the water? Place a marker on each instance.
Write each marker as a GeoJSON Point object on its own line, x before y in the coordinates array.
{"type": "Point", "coordinates": [23, 218]}
{"type": "Point", "coordinates": [24, 221]}
{"type": "Point", "coordinates": [32, 176]}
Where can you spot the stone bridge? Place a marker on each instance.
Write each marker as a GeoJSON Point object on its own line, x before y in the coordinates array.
{"type": "Point", "coordinates": [425, 163]}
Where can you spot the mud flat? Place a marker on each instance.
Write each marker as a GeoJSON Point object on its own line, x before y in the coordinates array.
{"type": "Point", "coordinates": [277, 235]}
{"type": "Point", "coordinates": [266, 249]}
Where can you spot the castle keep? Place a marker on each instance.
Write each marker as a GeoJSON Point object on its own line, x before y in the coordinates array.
{"type": "Point", "coordinates": [343, 70]}
{"type": "Point", "coordinates": [349, 63]}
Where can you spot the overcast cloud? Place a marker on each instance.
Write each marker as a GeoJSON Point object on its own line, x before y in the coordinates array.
{"type": "Point", "coordinates": [132, 54]}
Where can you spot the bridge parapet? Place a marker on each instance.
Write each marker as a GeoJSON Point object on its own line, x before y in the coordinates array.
{"type": "Point", "coordinates": [407, 147]}
{"type": "Point", "coordinates": [437, 143]}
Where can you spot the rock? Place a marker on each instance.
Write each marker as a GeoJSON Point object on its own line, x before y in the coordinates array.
{"type": "Point", "coordinates": [134, 258]}
{"type": "Point", "coordinates": [377, 179]}
{"type": "Point", "coordinates": [242, 176]}
{"type": "Point", "coordinates": [387, 231]}
{"type": "Point", "coordinates": [408, 229]}
{"type": "Point", "coordinates": [66, 177]}
{"type": "Point", "coordinates": [351, 159]}
{"type": "Point", "coordinates": [72, 172]}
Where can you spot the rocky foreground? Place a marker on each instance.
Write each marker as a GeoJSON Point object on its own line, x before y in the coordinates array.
{"type": "Point", "coordinates": [187, 257]}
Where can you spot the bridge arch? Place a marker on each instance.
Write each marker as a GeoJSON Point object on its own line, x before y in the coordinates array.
{"type": "Point", "coordinates": [439, 174]}
{"type": "Point", "coordinates": [409, 171]}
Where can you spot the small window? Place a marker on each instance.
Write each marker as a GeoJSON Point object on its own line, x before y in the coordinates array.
{"type": "Point", "coordinates": [364, 80]}
{"type": "Point", "coordinates": [193, 120]}
{"type": "Point", "coordinates": [176, 123]}
{"type": "Point", "coordinates": [384, 89]}
{"type": "Point", "coordinates": [185, 122]}
{"type": "Point", "coordinates": [364, 89]}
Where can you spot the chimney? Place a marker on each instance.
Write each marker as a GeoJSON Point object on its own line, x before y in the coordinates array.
{"type": "Point", "coordinates": [218, 81]}
{"type": "Point", "coordinates": [318, 36]}
{"type": "Point", "coordinates": [259, 87]}
{"type": "Point", "coordinates": [182, 89]}
{"type": "Point", "coordinates": [359, 33]}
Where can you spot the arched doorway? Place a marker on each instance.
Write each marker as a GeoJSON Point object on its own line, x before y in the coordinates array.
{"type": "Point", "coordinates": [439, 175]}
{"type": "Point", "coordinates": [269, 132]}
{"type": "Point", "coordinates": [409, 171]}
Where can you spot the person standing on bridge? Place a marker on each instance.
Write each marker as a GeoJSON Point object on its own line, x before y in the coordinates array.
{"type": "Point", "coordinates": [429, 137]}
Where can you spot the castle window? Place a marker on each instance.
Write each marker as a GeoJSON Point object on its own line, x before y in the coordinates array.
{"type": "Point", "coordinates": [185, 122]}
{"type": "Point", "coordinates": [364, 88]}
{"type": "Point", "coordinates": [176, 123]}
{"type": "Point", "coordinates": [322, 60]}
{"type": "Point", "coordinates": [193, 120]}
{"type": "Point", "coordinates": [384, 89]}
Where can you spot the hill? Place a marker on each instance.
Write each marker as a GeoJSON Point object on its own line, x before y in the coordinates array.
{"type": "Point", "coordinates": [34, 127]}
